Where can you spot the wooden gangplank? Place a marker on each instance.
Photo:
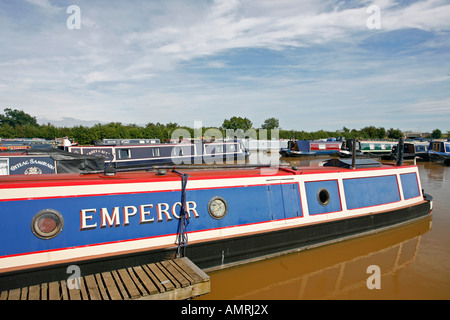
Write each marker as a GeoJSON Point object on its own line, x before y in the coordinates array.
{"type": "Point", "coordinates": [177, 279]}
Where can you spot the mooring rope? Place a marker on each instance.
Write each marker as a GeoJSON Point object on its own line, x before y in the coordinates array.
{"type": "Point", "coordinates": [184, 218]}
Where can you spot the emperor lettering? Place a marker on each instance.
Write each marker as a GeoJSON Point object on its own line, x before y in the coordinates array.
{"type": "Point", "coordinates": [92, 218]}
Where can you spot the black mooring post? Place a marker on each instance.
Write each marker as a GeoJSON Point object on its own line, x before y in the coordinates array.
{"type": "Point", "coordinates": [400, 151]}
{"type": "Point", "coordinates": [354, 153]}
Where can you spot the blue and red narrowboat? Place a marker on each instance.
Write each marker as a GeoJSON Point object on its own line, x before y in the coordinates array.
{"type": "Point", "coordinates": [307, 148]}
{"type": "Point", "coordinates": [215, 217]}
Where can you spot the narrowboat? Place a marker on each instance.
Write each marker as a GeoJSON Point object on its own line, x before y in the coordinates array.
{"type": "Point", "coordinates": [411, 150]}
{"type": "Point", "coordinates": [439, 151]}
{"type": "Point", "coordinates": [134, 155]}
{"type": "Point", "coordinates": [20, 143]}
{"type": "Point", "coordinates": [302, 148]}
{"type": "Point", "coordinates": [367, 148]}
{"type": "Point", "coordinates": [216, 217]}
{"type": "Point", "coordinates": [47, 161]}
{"type": "Point", "coordinates": [265, 145]}
{"type": "Point", "coordinates": [376, 148]}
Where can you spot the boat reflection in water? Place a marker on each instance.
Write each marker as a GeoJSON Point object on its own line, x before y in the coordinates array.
{"type": "Point", "coordinates": [336, 271]}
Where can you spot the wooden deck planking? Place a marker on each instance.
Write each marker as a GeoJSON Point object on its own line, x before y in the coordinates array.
{"type": "Point", "coordinates": [170, 279]}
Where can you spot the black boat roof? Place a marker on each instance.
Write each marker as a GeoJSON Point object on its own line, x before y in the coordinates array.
{"type": "Point", "coordinates": [347, 163]}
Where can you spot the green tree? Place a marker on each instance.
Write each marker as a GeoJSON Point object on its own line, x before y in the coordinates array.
{"type": "Point", "coordinates": [436, 134]}
{"type": "Point", "coordinates": [152, 131]}
{"type": "Point", "coordinates": [49, 132]}
{"type": "Point", "coordinates": [83, 135]}
{"type": "Point", "coordinates": [380, 133]}
{"type": "Point", "coordinates": [394, 133]}
{"type": "Point", "coordinates": [27, 131]}
{"type": "Point", "coordinates": [237, 123]}
{"type": "Point", "coordinates": [373, 133]}
{"type": "Point", "coordinates": [17, 117]}
{"type": "Point", "coordinates": [270, 124]}
{"type": "Point", "coordinates": [7, 132]}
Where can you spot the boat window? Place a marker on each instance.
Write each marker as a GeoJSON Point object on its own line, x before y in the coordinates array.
{"type": "Point", "coordinates": [409, 148]}
{"type": "Point", "coordinates": [323, 197]}
{"type": "Point", "coordinates": [124, 153]}
{"type": "Point", "coordinates": [47, 224]}
{"type": "Point", "coordinates": [217, 207]}
{"type": "Point", "coordinates": [231, 148]}
{"type": "Point", "coordinates": [447, 147]}
{"type": "Point", "coordinates": [437, 146]}
{"type": "Point", "coordinates": [420, 148]}
{"type": "Point", "coordinates": [156, 152]}
{"type": "Point", "coordinates": [177, 151]}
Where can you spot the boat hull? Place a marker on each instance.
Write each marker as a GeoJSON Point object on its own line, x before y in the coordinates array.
{"type": "Point", "coordinates": [255, 247]}
{"type": "Point", "coordinates": [222, 253]}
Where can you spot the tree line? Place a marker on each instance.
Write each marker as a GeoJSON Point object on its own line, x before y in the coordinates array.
{"type": "Point", "coordinates": [18, 124]}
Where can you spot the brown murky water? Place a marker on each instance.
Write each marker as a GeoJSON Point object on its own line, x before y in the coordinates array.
{"type": "Point", "coordinates": [413, 260]}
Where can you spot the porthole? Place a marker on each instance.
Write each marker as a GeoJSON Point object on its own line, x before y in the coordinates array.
{"type": "Point", "coordinates": [47, 224]}
{"type": "Point", "coordinates": [217, 207]}
{"type": "Point", "coordinates": [323, 197]}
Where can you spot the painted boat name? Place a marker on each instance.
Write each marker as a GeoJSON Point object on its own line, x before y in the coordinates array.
{"type": "Point", "coordinates": [112, 217]}
{"type": "Point", "coordinates": [31, 161]}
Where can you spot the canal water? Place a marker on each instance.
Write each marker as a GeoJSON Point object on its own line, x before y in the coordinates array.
{"type": "Point", "coordinates": [413, 261]}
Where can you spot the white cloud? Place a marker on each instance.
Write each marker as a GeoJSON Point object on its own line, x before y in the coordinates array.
{"type": "Point", "coordinates": [173, 55]}
{"type": "Point", "coordinates": [216, 64]}
{"type": "Point", "coordinates": [430, 15]}
{"type": "Point", "coordinates": [97, 76]}
{"type": "Point", "coordinates": [439, 108]}
{"type": "Point", "coordinates": [46, 4]}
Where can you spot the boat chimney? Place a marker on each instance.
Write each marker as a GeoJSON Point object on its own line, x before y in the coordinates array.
{"type": "Point", "coordinates": [353, 153]}
{"type": "Point", "coordinates": [109, 171]}
{"type": "Point", "coordinates": [400, 150]}
{"type": "Point", "coordinates": [161, 172]}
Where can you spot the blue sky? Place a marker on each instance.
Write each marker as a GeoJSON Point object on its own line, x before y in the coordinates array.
{"type": "Point", "coordinates": [311, 64]}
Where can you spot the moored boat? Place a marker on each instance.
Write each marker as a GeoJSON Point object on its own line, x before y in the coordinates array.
{"type": "Point", "coordinates": [439, 151]}
{"type": "Point", "coordinates": [376, 148]}
{"type": "Point", "coordinates": [21, 144]}
{"type": "Point", "coordinates": [265, 145]}
{"type": "Point", "coordinates": [134, 154]}
{"type": "Point", "coordinates": [411, 150]}
{"type": "Point", "coordinates": [304, 148]}
{"type": "Point", "coordinates": [216, 217]}
{"type": "Point", "coordinates": [368, 148]}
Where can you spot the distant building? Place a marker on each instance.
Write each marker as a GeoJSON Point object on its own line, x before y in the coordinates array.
{"type": "Point", "coordinates": [414, 135]}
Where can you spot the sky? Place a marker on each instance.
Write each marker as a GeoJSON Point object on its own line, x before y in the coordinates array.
{"type": "Point", "coordinates": [310, 64]}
